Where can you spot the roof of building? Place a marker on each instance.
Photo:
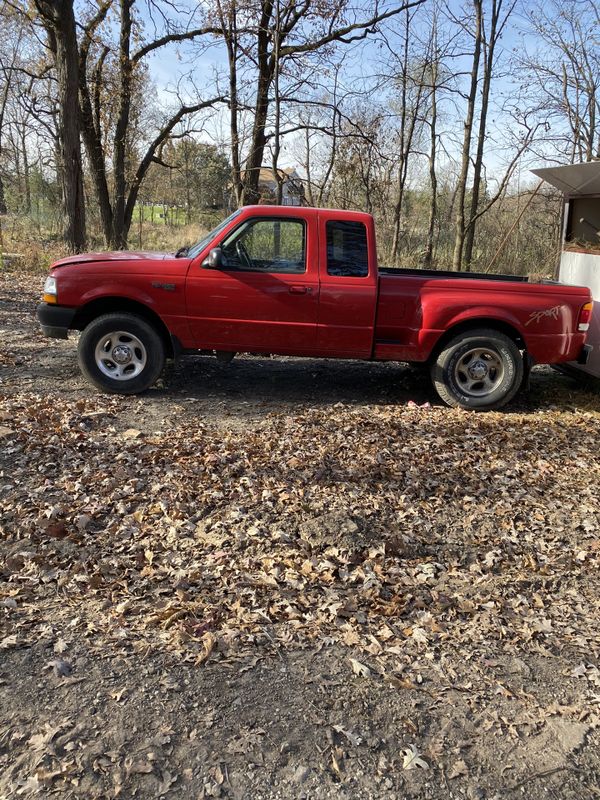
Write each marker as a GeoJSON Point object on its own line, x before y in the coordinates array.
{"type": "Point", "coordinates": [575, 180]}
{"type": "Point", "coordinates": [266, 174]}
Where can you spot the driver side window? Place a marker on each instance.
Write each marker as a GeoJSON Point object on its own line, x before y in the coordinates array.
{"type": "Point", "coordinates": [266, 245]}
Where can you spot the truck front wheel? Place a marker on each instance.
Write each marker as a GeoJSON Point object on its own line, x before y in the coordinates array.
{"type": "Point", "coordinates": [121, 353]}
{"type": "Point", "coordinates": [479, 369]}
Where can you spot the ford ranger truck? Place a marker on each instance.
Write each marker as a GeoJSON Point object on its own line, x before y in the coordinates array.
{"type": "Point", "coordinates": [305, 282]}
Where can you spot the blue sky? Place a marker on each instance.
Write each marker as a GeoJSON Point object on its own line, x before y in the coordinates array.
{"type": "Point", "coordinates": [171, 61]}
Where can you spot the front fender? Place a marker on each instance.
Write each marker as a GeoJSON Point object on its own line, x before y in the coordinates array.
{"type": "Point", "coordinates": [76, 294]}
{"type": "Point", "coordinates": [115, 289]}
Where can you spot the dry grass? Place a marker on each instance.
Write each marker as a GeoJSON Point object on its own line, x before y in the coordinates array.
{"type": "Point", "coordinates": [23, 248]}
{"type": "Point", "coordinates": [583, 247]}
{"type": "Point", "coordinates": [166, 238]}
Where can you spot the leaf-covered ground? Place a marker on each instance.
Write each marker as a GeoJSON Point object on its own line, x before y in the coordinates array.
{"type": "Point", "coordinates": [288, 578]}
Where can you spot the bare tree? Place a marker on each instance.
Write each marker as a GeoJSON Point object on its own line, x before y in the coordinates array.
{"type": "Point", "coordinates": [59, 20]}
{"type": "Point", "coordinates": [562, 71]}
{"type": "Point", "coordinates": [497, 22]}
{"type": "Point", "coordinates": [408, 73]}
{"type": "Point", "coordinates": [471, 99]}
{"type": "Point", "coordinates": [433, 79]}
{"type": "Point", "coordinates": [320, 120]}
{"type": "Point", "coordinates": [12, 34]}
{"type": "Point", "coordinates": [116, 207]}
{"type": "Point", "coordinates": [273, 33]}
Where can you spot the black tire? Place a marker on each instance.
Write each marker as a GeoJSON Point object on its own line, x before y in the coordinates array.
{"type": "Point", "coordinates": [121, 353]}
{"type": "Point", "coordinates": [479, 369]}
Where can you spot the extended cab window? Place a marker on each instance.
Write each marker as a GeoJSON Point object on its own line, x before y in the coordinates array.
{"type": "Point", "coordinates": [347, 253]}
{"type": "Point", "coordinates": [267, 245]}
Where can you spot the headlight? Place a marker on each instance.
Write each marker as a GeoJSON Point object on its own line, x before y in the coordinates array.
{"type": "Point", "coordinates": [50, 290]}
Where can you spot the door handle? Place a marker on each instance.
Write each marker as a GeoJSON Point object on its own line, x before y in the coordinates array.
{"type": "Point", "coordinates": [300, 289]}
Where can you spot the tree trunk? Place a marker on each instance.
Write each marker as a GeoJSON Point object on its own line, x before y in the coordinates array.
{"type": "Point", "coordinates": [307, 168]}
{"type": "Point", "coordinates": [230, 37]}
{"type": "Point", "coordinates": [59, 19]}
{"type": "Point", "coordinates": [92, 139]}
{"type": "Point", "coordinates": [461, 192]}
{"type": "Point", "coordinates": [428, 255]}
{"type": "Point", "coordinates": [277, 175]}
{"type": "Point", "coordinates": [251, 193]}
{"type": "Point", "coordinates": [401, 169]}
{"type": "Point", "coordinates": [59, 169]}
{"type": "Point", "coordinates": [119, 227]}
{"type": "Point", "coordinates": [3, 208]}
{"type": "Point", "coordinates": [236, 168]}
{"type": "Point", "coordinates": [488, 65]}
{"type": "Point", "coordinates": [7, 74]}
{"type": "Point", "coordinates": [408, 124]}
{"type": "Point", "coordinates": [26, 186]}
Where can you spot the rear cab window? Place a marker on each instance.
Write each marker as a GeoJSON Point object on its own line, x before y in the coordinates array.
{"type": "Point", "coordinates": [347, 249]}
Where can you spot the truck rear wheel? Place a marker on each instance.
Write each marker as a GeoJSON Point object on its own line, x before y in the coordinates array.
{"type": "Point", "coordinates": [479, 369]}
{"type": "Point", "coordinates": [121, 353]}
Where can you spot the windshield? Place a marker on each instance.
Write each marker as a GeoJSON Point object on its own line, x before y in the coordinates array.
{"type": "Point", "coordinates": [193, 251]}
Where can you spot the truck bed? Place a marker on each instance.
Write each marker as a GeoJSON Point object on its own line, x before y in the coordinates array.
{"type": "Point", "coordinates": [415, 307]}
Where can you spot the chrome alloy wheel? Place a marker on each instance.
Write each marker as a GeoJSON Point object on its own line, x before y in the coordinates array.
{"type": "Point", "coordinates": [479, 371]}
{"type": "Point", "coordinates": [120, 355]}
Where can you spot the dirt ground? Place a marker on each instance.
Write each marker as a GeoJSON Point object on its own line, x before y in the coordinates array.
{"type": "Point", "coordinates": [292, 579]}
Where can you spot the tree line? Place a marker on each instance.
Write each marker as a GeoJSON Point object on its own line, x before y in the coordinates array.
{"type": "Point", "coordinates": [426, 113]}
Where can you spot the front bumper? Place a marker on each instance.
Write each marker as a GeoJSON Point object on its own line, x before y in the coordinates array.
{"type": "Point", "coordinates": [55, 320]}
{"type": "Point", "coordinates": [585, 354]}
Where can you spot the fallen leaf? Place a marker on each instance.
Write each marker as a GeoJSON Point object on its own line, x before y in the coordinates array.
{"type": "Point", "coordinates": [39, 741]}
{"type": "Point", "coordinates": [131, 433]}
{"type": "Point", "coordinates": [354, 739]}
{"type": "Point", "coordinates": [62, 669]}
{"type": "Point", "coordinates": [360, 669]}
{"type": "Point", "coordinates": [139, 767]}
{"type": "Point", "coordinates": [458, 769]}
{"type": "Point", "coordinates": [208, 644]}
{"type": "Point", "coordinates": [413, 759]}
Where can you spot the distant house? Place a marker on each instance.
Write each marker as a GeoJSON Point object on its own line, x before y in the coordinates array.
{"type": "Point", "coordinates": [292, 187]}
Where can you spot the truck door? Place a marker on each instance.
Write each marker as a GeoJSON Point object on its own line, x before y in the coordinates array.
{"type": "Point", "coordinates": [348, 295]}
{"type": "Point", "coordinates": [265, 295]}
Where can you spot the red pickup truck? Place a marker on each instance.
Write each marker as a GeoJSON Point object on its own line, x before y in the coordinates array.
{"type": "Point", "coordinates": [305, 282]}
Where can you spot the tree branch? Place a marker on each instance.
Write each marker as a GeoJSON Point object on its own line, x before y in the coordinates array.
{"type": "Point", "coordinates": [340, 33]}
{"type": "Point", "coordinates": [160, 137]}
{"type": "Point", "coordinates": [183, 36]}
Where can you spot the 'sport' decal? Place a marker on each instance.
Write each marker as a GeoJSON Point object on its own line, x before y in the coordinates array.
{"type": "Point", "coordinates": [536, 316]}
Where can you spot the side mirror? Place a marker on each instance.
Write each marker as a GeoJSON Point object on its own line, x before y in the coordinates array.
{"type": "Point", "coordinates": [215, 259]}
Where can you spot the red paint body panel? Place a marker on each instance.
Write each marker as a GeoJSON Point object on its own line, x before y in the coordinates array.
{"type": "Point", "coordinates": [250, 311]}
{"type": "Point", "coordinates": [414, 311]}
{"type": "Point", "coordinates": [347, 305]}
{"type": "Point", "coordinates": [82, 282]}
{"type": "Point", "coordinates": [397, 317]}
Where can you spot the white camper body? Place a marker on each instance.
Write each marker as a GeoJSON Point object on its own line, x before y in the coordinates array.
{"type": "Point", "coordinates": [580, 256]}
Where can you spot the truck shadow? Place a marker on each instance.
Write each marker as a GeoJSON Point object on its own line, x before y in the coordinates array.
{"type": "Point", "coordinates": [253, 386]}
{"type": "Point", "coordinates": [273, 382]}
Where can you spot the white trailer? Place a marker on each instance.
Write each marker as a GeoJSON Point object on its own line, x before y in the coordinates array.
{"type": "Point", "coordinates": [580, 256]}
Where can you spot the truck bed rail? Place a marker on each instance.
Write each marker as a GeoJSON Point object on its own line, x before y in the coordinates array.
{"type": "Point", "coordinates": [446, 273]}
